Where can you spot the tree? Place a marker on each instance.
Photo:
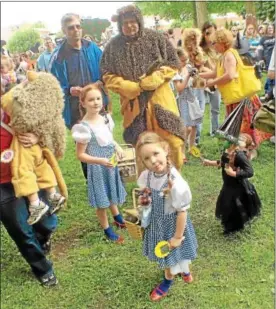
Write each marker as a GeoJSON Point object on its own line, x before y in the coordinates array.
{"type": "Point", "coordinates": [265, 10]}
{"type": "Point", "coordinates": [201, 13]}
{"type": "Point", "coordinates": [185, 10]}
{"type": "Point", "coordinates": [23, 40]}
{"type": "Point", "coordinates": [94, 27]}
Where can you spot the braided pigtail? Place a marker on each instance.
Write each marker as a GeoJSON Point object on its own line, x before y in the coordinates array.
{"type": "Point", "coordinates": [167, 190]}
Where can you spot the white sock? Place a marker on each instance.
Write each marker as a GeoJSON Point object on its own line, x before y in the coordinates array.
{"type": "Point", "coordinates": [35, 203]}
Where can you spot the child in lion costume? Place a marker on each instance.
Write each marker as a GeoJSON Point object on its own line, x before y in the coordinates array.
{"type": "Point", "coordinates": [35, 106]}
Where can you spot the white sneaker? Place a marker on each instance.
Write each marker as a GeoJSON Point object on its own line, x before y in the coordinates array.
{"type": "Point", "coordinates": [57, 202]}
{"type": "Point", "coordinates": [36, 212]}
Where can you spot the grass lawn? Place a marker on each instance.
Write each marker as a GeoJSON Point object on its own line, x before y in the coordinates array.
{"type": "Point", "coordinates": [230, 273]}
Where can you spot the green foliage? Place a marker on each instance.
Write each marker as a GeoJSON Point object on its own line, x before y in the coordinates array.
{"type": "Point", "coordinates": [23, 40]}
{"type": "Point", "coordinates": [223, 7]}
{"type": "Point", "coordinates": [184, 10]}
{"type": "Point", "coordinates": [38, 24]}
{"type": "Point", "coordinates": [94, 26]}
{"type": "Point", "coordinates": [182, 24]}
{"type": "Point", "coordinates": [265, 10]}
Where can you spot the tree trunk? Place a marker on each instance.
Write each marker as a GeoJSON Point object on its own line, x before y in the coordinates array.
{"type": "Point", "coordinates": [250, 8]}
{"type": "Point", "coordinates": [200, 13]}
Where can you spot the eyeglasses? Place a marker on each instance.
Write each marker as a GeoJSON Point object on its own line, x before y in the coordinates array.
{"type": "Point", "coordinates": [73, 27]}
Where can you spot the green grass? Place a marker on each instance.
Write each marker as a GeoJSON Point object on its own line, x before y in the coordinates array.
{"type": "Point", "coordinates": [229, 273]}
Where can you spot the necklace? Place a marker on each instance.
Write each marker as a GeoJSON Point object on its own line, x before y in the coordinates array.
{"type": "Point", "coordinates": [158, 175]}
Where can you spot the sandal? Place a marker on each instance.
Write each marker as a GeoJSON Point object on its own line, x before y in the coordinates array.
{"type": "Point", "coordinates": [120, 239]}
{"type": "Point", "coordinates": [157, 294]}
{"type": "Point", "coordinates": [119, 225]}
{"type": "Point", "coordinates": [187, 278]}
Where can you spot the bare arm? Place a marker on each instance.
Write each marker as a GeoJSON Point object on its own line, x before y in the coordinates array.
{"type": "Point", "coordinates": [208, 74]}
{"type": "Point", "coordinates": [215, 163]}
{"type": "Point", "coordinates": [86, 158]}
{"type": "Point", "coordinates": [181, 84]}
{"type": "Point", "coordinates": [230, 69]}
{"type": "Point", "coordinates": [178, 237]}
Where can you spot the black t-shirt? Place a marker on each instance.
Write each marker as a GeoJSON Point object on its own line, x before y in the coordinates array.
{"type": "Point", "coordinates": [268, 43]}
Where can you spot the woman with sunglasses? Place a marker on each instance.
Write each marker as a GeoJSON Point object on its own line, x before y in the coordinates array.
{"type": "Point", "coordinates": [225, 77]}
{"type": "Point", "coordinates": [213, 97]}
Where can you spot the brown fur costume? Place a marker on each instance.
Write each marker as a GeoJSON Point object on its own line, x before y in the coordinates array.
{"type": "Point", "coordinates": [36, 107]}
{"type": "Point", "coordinates": [147, 101]}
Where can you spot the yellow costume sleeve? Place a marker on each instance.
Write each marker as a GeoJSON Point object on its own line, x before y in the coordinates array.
{"type": "Point", "coordinates": [125, 88]}
{"type": "Point", "coordinates": [157, 78]}
{"type": "Point", "coordinates": [6, 102]}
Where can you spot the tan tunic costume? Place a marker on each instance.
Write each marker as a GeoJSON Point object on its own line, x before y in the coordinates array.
{"type": "Point", "coordinates": [147, 100]}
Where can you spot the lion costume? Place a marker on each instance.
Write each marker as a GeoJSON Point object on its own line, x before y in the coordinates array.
{"type": "Point", "coordinates": [36, 107]}
{"type": "Point", "coordinates": [147, 100]}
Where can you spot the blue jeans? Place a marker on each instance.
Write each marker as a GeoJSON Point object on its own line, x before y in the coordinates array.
{"type": "Point", "coordinates": [28, 238]}
{"type": "Point", "coordinates": [214, 100]}
{"type": "Point", "coordinates": [200, 95]}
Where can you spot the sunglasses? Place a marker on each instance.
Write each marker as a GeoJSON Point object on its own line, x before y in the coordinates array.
{"type": "Point", "coordinates": [73, 27]}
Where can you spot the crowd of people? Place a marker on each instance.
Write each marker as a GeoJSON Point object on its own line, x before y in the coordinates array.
{"type": "Point", "coordinates": [163, 93]}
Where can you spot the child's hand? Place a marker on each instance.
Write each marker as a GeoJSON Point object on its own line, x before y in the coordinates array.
{"type": "Point", "coordinates": [27, 139]}
{"type": "Point", "coordinates": [105, 162]}
{"type": "Point", "coordinates": [176, 242]}
{"type": "Point", "coordinates": [229, 171]}
{"type": "Point", "coordinates": [120, 152]}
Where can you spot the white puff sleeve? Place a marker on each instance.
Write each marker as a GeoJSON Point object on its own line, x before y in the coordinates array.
{"type": "Point", "coordinates": [142, 180]}
{"type": "Point", "coordinates": [181, 194]}
{"type": "Point", "coordinates": [81, 133]}
{"type": "Point", "coordinates": [111, 123]}
{"type": "Point", "coordinates": [177, 77]}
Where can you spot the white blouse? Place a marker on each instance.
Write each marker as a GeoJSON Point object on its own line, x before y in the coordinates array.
{"type": "Point", "coordinates": [102, 131]}
{"type": "Point", "coordinates": [180, 196]}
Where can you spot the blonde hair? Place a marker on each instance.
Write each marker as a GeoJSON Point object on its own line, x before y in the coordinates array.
{"type": "Point", "coordinates": [191, 44]}
{"type": "Point", "coordinates": [147, 138]}
{"type": "Point", "coordinates": [223, 36]}
{"type": "Point", "coordinates": [7, 60]}
{"type": "Point", "coordinates": [247, 139]}
{"type": "Point", "coordinates": [182, 53]}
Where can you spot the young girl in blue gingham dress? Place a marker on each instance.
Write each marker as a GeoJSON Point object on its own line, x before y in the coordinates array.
{"type": "Point", "coordinates": [169, 219]}
{"type": "Point", "coordinates": [187, 100]}
{"type": "Point", "coordinates": [97, 148]}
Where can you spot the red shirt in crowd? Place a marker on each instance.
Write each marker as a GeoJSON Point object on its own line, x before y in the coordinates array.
{"type": "Point", "coordinates": [6, 139]}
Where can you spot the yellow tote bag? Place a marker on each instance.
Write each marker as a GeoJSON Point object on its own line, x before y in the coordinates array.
{"type": "Point", "coordinates": [245, 85]}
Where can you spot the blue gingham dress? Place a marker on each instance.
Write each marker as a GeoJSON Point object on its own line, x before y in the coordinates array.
{"type": "Point", "coordinates": [186, 96]}
{"type": "Point", "coordinates": [162, 227]}
{"type": "Point", "coordinates": [105, 186]}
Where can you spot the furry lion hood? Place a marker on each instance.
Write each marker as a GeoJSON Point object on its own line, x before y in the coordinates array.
{"type": "Point", "coordinates": [36, 106]}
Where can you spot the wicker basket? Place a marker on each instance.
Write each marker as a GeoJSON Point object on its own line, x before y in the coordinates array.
{"type": "Point", "coordinates": [127, 165]}
{"type": "Point", "coordinates": [134, 229]}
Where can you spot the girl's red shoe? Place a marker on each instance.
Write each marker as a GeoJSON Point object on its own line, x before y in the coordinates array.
{"type": "Point", "coordinates": [120, 225]}
{"type": "Point", "coordinates": [187, 278]}
{"type": "Point", "coordinates": [157, 294]}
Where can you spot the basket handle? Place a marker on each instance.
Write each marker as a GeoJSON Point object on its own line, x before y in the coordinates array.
{"type": "Point", "coordinates": [134, 196]}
